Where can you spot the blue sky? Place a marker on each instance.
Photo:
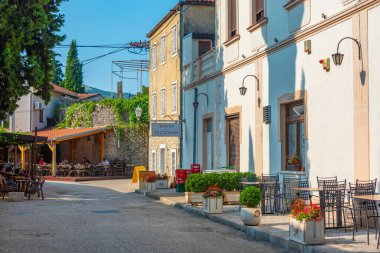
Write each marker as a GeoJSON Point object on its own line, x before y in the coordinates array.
{"type": "Point", "coordinates": [103, 22]}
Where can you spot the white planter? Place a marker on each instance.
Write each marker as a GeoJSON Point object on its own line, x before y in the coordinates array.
{"type": "Point", "coordinates": [250, 216]}
{"type": "Point", "coordinates": [162, 184]}
{"type": "Point", "coordinates": [194, 198]}
{"type": "Point", "coordinates": [213, 205]}
{"type": "Point", "coordinates": [15, 196]}
{"type": "Point", "coordinates": [150, 187]}
{"type": "Point", "coordinates": [307, 231]}
{"type": "Point", "coordinates": [231, 197]}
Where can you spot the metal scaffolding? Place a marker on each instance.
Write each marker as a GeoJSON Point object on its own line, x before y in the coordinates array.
{"type": "Point", "coordinates": [130, 70]}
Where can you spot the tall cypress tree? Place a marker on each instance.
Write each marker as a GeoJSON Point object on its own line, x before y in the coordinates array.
{"type": "Point", "coordinates": [58, 73]}
{"type": "Point", "coordinates": [73, 74]}
{"type": "Point", "coordinates": [28, 34]}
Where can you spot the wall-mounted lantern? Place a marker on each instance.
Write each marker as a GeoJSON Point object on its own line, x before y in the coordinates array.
{"type": "Point", "coordinates": [338, 57]}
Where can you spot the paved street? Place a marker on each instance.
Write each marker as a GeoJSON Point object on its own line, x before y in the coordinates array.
{"type": "Point", "coordinates": [106, 216]}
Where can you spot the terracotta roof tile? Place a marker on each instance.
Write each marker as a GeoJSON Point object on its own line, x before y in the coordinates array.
{"type": "Point", "coordinates": [61, 90]}
{"type": "Point", "coordinates": [84, 96]}
{"type": "Point", "coordinates": [67, 133]}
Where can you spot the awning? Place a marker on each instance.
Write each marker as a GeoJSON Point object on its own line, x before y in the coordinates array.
{"type": "Point", "coordinates": [64, 134]}
{"type": "Point", "coordinates": [10, 138]}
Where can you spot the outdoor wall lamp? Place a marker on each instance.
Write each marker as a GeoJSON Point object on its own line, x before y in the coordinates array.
{"type": "Point", "coordinates": [195, 105]}
{"type": "Point", "coordinates": [138, 112]}
{"type": "Point", "coordinates": [338, 57]}
{"type": "Point", "coordinates": [243, 89]}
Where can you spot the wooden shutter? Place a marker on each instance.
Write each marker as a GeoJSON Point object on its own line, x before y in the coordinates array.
{"type": "Point", "coordinates": [174, 97]}
{"type": "Point", "coordinates": [163, 102]}
{"type": "Point", "coordinates": [154, 106]}
{"type": "Point", "coordinates": [234, 142]}
{"type": "Point", "coordinates": [174, 40]}
{"type": "Point", "coordinates": [259, 10]}
{"type": "Point", "coordinates": [163, 49]}
{"type": "Point", "coordinates": [232, 18]}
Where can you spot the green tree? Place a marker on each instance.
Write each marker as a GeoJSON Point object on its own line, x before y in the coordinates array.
{"type": "Point", "coordinates": [73, 74]}
{"type": "Point", "coordinates": [28, 34]}
{"type": "Point", "coordinates": [58, 73]}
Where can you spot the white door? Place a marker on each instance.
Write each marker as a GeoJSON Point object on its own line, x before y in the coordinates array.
{"type": "Point", "coordinates": [162, 161]}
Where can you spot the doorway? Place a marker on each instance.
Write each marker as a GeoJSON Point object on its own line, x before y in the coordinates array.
{"type": "Point", "coordinates": [233, 137]}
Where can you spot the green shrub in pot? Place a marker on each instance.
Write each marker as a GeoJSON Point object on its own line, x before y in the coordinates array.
{"type": "Point", "coordinates": [250, 197]}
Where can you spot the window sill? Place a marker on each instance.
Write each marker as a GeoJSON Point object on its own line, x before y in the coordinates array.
{"type": "Point", "coordinates": [232, 40]}
{"type": "Point", "coordinates": [259, 24]}
{"type": "Point", "coordinates": [289, 172]}
{"type": "Point", "coordinates": [292, 3]}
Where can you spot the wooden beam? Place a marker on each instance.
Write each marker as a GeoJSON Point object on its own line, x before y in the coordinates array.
{"type": "Point", "coordinates": [53, 149]}
{"type": "Point", "coordinates": [22, 149]}
{"type": "Point", "coordinates": [101, 147]}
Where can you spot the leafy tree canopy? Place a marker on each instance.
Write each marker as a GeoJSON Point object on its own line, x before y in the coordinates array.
{"type": "Point", "coordinates": [74, 74]}
{"type": "Point", "coordinates": [28, 34]}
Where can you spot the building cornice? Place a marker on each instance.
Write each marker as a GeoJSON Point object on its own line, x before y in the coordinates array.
{"type": "Point", "coordinates": [292, 38]}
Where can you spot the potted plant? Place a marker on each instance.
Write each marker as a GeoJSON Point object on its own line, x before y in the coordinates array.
{"type": "Point", "coordinates": [213, 200]}
{"type": "Point", "coordinates": [196, 185]}
{"type": "Point", "coordinates": [150, 183]}
{"type": "Point", "coordinates": [162, 181]}
{"type": "Point", "coordinates": [250, 198]}
{"type": "Point", "coordinates": [306, 223]}
{"type": "Point", "coordinates": [293, 162]}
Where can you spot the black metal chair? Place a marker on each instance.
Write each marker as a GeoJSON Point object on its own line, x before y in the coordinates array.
{"type": "Point", "coordinates": [326, 181]}
{"type": "Point", "coordinates": [333, 203]}
{"type": "Point", "coordinates": [270, 195]}
{"type": "Point", "coordinates": [360, 206]}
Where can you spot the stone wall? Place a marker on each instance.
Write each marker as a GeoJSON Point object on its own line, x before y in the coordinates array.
{"type": "Point", "coordinates": [131, 146]}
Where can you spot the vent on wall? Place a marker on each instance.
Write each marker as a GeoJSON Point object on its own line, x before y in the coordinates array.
{"type": "Point", "coordinates": [266, 114]}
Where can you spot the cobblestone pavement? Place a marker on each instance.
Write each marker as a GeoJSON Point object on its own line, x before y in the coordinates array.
{"type": "Point", "coordinates": [107, 217]}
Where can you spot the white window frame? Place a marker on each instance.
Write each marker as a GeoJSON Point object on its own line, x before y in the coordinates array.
{"type": "Point", "coordinates": [174, 104]}
{"type": "Point", "coordinates": [173, 166]}
{"type": "Point", "coordinates": [163, 102]}
{"type": "Point", "coordinates": [154, 56]}
{"type": "Point", "coordinates": [154, 161]}
{"type": "Point", "coordinates": [174, 41]}
{"type": "Point", "coordinates": [154, 105]}
{"type": "Point", "coordinates": [163, 49]}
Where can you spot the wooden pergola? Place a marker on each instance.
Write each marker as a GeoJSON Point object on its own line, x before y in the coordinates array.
{"type": "Point", "coordinates": [56, 136]}
{"type": "Point", "coordinates": [20, 140]}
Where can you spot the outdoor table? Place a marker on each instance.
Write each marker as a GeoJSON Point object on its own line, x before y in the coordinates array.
{"type": "Point", "coordinates": [374, 197]}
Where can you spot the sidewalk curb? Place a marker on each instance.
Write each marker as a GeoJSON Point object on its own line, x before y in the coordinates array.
{"type": "Point", "coordinates": [260, 234]}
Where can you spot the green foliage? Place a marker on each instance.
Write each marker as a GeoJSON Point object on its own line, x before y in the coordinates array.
{"type": "Point", "coordinates": [80, 114]}
{"type": "Point", "coordinates": [28, 34]}
{"type": "Point", "coordinates": [73, 74]}
{"type": "Point", "coordinates": [58, 73]}
{"type": "Point", "coordinates": [226, 181]}
{"type": "Point", "coordinates": [250, 197]}
{"type": "Point", "coordinates": [13, 139]}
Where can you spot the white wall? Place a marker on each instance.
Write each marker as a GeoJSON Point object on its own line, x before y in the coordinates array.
{"type": "Point", "coordinates": [374, 90]}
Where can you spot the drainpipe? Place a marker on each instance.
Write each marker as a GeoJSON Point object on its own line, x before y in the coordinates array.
{"type": "Point", "coordinates": [195, 105]}
{"type": "Point", "coordinates": [181, 84]}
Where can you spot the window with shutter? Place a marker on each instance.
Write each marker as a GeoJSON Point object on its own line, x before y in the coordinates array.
{"type": "Point", "coordinates": [163, 102]}
{"type": "Point", "coordinates": [257, 11]}
{"type": "Point", "coordinates": [174, 97]}
{"type": "Point", "coordinates": [154, 160]}
{"type": "Point", "coordinates": [154, 57]}
{"type": "Point", "coordinates": [232, 18]}
{"type": "Point", "coordinates": [163, 49]}
{"type": "Point", "coordinates": [174, 161]}
{"type": "Point", "coordinates": [154, 105]}
{"type": "Point", "coordinates": [174, 41]}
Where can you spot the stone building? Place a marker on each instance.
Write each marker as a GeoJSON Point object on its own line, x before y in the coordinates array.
{"type": "Point", "coordinates": [166, 39]}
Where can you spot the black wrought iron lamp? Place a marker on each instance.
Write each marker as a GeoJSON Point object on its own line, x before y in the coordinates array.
{"type": "Point", "coordinates": [338, 57]}
{"type": "Point", "coordinates": [243, 89]}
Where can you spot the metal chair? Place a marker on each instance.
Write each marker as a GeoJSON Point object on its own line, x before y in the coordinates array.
{"type": "Point", "coordinates": [358, 205]}
{"type": "Point", "coordinates": [270, 195]}
{"type": "Point", "coordinates": [333, 203]}
{"type": "Point", "coordinates": [326, 181]}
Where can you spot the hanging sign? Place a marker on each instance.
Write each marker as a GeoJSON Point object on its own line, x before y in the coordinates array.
{"type": "Point", "coordinates": [166, 129]}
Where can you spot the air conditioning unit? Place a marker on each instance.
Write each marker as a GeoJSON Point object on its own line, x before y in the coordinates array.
{"type": "Point", "coordinates": [37, 106]}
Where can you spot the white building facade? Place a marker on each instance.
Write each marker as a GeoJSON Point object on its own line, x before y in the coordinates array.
{"type": "Point", "coordinates": [298, 102]}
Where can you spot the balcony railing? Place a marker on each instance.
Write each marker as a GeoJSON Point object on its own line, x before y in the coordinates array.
{"type": "Point", "coordinates": [201, 67]}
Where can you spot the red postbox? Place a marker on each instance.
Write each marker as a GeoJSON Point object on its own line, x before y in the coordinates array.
{"type": "Point", "coordinates": [181, 176]}
{"type": "Point", "coordinates": [195, 168]}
